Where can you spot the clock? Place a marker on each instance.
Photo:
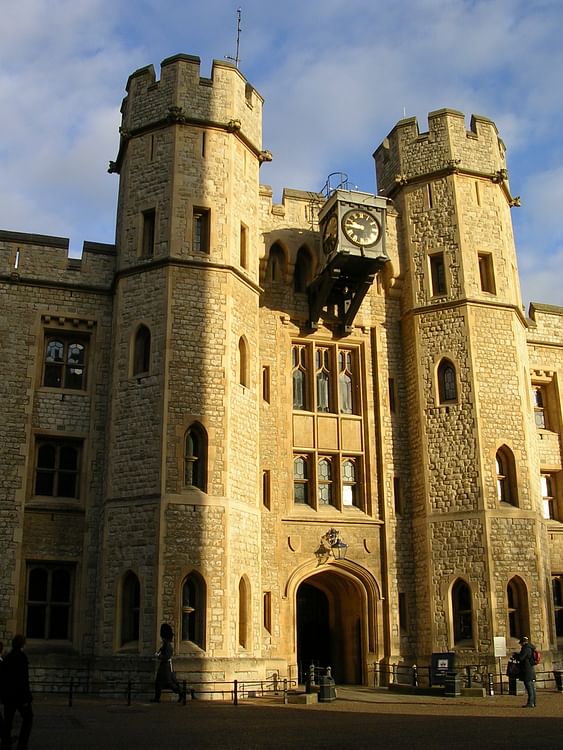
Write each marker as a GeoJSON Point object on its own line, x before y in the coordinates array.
{"type": "Point", "coordinates": [361, 227]}
{"type": "Point", "coordinates": [330, 234]}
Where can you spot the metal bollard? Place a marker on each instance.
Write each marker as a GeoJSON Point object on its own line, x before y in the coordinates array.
{"type": "Point", "coordinates": [414, 675]}
{"type": "Point", "coordinates": [469, 678]}
{"type": "Point", "coordinates": [285, 690]}
{"type": "Point", "coordinates": [491, 683]}
{"type": "Point", "coordinates": [235, 693]}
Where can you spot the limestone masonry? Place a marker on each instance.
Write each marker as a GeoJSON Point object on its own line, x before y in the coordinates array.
{"type": "Point", "coordinates": [316, 432]}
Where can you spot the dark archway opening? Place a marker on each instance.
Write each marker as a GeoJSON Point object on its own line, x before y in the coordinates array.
{"type": "Point", "coordinates": [329, 627]}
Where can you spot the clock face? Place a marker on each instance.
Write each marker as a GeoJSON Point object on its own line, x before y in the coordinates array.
{"type": "Point", "coordinates": [330, 234]}
{"type": "Point", "coordinates": [360, 227]}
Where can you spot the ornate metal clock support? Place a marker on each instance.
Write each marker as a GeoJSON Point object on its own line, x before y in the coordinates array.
{"type": "Point", "coordinates": [343, 284]}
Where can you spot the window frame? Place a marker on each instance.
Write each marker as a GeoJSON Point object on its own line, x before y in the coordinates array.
{"type": "Point", "coordinates": [49, 604]}
{"type": "Point", "coordinates": [437, 272]}
{"type": "Point", "coordinates": [462, 613]}
{"type": "Point", "coordinates": [141, 351]}
{"type": "Point", "coordinates": [193, 610]}
{"type": "Point", "coordinates": [67, 339]}
{"type": "Point", "coordinates": [130, 610]}
{"type": "Point", "coordinates": [60, 474]}
{"type": "Point", "coordinates": [201, 230]}
{"type": "Point", "coordinates": [195, 462]}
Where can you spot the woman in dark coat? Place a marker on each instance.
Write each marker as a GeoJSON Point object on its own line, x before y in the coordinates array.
{"type": "Point", "coordinates": [165, 677]}
{"type": "Point", "coordinates": [527, 673]}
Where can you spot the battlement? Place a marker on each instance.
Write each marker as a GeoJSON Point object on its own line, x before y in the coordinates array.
{"type": "Point", "coordinates": [42, 259]}
{"type": "Point", "coordinates": [183, 95]}
{"type": "Point", "coordinates": [407, 154]}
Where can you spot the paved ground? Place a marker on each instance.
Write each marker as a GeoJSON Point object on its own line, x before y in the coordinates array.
{"type": "Point", "coordinates": [359, 718]}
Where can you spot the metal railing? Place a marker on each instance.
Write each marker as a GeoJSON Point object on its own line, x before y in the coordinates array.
{"type": "Point", "coordinates": [473, 675]}
{"type": "Point", "coordinates": [78, 683]}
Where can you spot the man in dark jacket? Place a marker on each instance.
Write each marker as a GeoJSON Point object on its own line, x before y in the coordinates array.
{"type": "Point", "coordinates": [16, 693]}
{"type": "Point", "coordinates": [527, 669]}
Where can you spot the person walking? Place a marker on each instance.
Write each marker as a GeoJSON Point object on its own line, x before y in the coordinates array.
{"type": "Point", "coordinates": [16, 694]}
{"type": "Point", "coordinates": [165, 677]}
{"type": "Point", "coordinates": [525, 658]}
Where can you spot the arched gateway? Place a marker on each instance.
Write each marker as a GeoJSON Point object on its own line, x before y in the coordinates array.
{"type": "Point", "coordinates": [337, 620]}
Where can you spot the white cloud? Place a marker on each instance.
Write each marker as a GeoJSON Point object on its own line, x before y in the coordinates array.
{"type": "Point", "coordinates": [336, 77]}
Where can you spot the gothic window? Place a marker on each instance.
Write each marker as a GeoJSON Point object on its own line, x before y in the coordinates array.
{"type": "Point", "coordinates": [57, 468]}
{"type": "Point", "coordinates": [243, 362]}
{"type": "Point", "coordinates": [48, 610]}
{"type": "Point", "coordinates": [142, 351]}
{"type": "Point", "coordinates": [517, 608]}
{"type": "Point", "coordinates": [300, 370]}
{"type": "Point", "coordinates": [65, 361]}
{"type": "Point", "coordinates": [557, 590]}
{"type": "Point", "coordinates": [437, 274]}
{"type": "Point", "coordinates": [243, 610]}
{"type": "Point", "coordinates": [275, 270]}
{"type": "Point", "coordinates": [462, 611]}
{"type": "Point", "coordinates": [323, 369]}
{"type": "Point", "coordinates": [195, 457]}
{"type": "Point", "coordinates": [303, 270]}
{"type": "Point", "coordinates": [447, 388]}
{"type": "Point", "coordinates": [301, 480]}
{"type": "Point", "coordinates": [194, 595]}
{"type": "Point", "coordinates": [349, 483]}
{"type": "Point", "coordinates": [506, 476]}
{"type": "Point", "coordinates": [548, 497]}
{"type": "Point", "coordinates": [346, 381]}
{"type": "Point", "coordinates": [200, 230]}
{"type": "Point", "coordinates": [148, 233]}
{"type": "Point", "coordinates": [130, 608]}
{"type": "Point", "coordinates": [324, 481]}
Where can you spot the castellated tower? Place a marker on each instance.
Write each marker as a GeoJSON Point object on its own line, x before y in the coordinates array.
{"type": "Point", "coordinates": [479, 541]}
{"type": "Point", "coordinates": [185, 356]}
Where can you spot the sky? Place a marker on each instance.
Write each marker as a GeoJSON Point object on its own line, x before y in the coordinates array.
{"type": "Point", "coordinates": [336, 76]}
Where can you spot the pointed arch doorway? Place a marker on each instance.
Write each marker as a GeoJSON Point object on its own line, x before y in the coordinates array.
{"type": "Point", "coordinates": [331, 625]}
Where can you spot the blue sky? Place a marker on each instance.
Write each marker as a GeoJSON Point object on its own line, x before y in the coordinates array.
{"type": "Point", "coordinates": [336, 76]}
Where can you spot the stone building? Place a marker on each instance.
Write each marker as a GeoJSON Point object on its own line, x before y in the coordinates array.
{"type": "Point", "coordinates": [316, 431]}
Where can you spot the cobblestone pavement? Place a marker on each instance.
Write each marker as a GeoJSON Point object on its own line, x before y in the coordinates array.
{"type": "Point", "coordinates": [359, 718]}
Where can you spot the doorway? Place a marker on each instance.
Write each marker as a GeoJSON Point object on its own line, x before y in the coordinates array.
{"type": "Point", "coordinates": [330, 627]}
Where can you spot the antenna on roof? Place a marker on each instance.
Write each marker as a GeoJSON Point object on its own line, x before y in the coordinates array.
{"type": "Point", "coordinates": [236, 59]}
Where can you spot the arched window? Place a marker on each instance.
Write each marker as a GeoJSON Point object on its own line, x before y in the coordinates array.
{"type": "Point", "coordinates": [275, 270]}
{"type": "Point", "coordinates": [517, 608]}
{"type": "Point", "coordinates": [243, 612]}
{"type": "Point", "coordinates": [195, 457]}
{"type": "Point", "coordinates": [194, 596]}
{"type": "Point", "coordinates": [447, 386]}
{"type": "Point", "coordinates": [142, 351]}
{"type": "Point", "coordinates": [303, 270]}
{"type": "Point", "coordinates": [243, 363]}
{"type": "Point", "coordinates": [301, 480]}
{"type": "Point", "coordinates": [300, 370]}
{"type": "Point", "coordinates": [462, 611]}
{"type": "Point", "coordinates": [506, 476]}
{"type": "Point", "coordinates": [130, 608]}
{"type": "Point", "coordinates": [349, 483]}
{"type": "Point", "coordinates": [324, 481]}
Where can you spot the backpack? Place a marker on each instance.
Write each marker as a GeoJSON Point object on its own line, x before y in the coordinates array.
{"type": "Point", "coordinates": [536, 656]}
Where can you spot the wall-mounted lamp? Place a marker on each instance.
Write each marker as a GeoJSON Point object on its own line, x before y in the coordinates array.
{"type": "Point", "coordinates": [331, 544]}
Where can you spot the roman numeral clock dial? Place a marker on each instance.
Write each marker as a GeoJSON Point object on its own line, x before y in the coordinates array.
{"type": "Point", "coordinates": [361, 228]}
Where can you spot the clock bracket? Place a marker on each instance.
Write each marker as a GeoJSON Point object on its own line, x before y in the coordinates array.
{"type": "Point", "coordinates": [348, 267]}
